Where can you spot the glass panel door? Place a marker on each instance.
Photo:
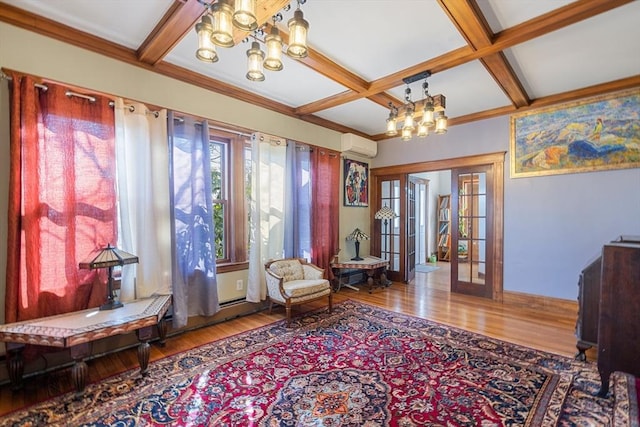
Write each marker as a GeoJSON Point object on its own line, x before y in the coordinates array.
{"type": "Point", "coordinates": [471, 245]}
{"type": "Point", "coordinates": [390, 248]}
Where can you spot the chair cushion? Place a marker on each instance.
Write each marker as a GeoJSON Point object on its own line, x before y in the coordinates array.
{"type": "Point", "coordinates": [288, 269]}
{"type": "Point", "coordinates": [300, 288]}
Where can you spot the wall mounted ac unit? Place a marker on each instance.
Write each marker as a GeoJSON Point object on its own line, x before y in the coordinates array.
{"type": "Point", "coordinates": [354, 144]}
{"type": "Point", "coordinates": [271, 139]}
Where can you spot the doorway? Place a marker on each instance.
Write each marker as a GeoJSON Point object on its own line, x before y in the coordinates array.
{"type": "Point", "coordinates": [488, 249]}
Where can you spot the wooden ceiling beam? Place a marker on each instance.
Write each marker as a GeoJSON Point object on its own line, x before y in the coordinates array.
{"type": "Point", "coordinates": [472, 25]}
{"type": "Point", "coordinates": [325, 66]}
{"type": "Point", "coordinates": [174, 25]}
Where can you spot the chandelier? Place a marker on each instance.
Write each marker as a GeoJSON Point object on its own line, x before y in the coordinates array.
{"type": "Point", "coordinates": [421, 116]}
{"type": "Point", "coordinates": [221, 24]}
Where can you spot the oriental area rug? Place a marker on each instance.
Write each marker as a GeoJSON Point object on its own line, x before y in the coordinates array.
{"type": "Point", "coordinates": [357, 366]}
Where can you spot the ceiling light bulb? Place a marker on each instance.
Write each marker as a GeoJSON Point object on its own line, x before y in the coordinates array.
{"type": "Point", "coordinates": [244, 16]}
{"type": "Point", "coordinates": [298, 29]}
{"type": "Point", "coordinates": [273, 61]}
{"type": "Point", "coordinates": [391, 126]}
{"type": "Point", "coordinates": [255, 57]}
{"type": "Point", "coordinates": [423, 130]}
{"type": "Point", "coordinates": [406, 134]}
{"type": "Point", "coordinates": [206, 49]}
{"type": "Point", "coordinates": [427, 115]}
{"type": "Point", "coordinates": [408, 120]}
{"type": "Point", "coordinates": [221, 14]}
{"type": "Point", "coordinates": [441, 124]}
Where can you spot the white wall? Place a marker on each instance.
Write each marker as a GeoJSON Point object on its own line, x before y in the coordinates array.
{"type": "Point", "coordinates": [553, 225]}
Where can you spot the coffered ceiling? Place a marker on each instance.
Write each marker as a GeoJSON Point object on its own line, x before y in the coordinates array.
{"type": "Point", "coordinates": [488, 57]}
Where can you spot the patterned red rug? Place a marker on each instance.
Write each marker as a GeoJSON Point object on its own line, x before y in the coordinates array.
{"type": "Point", "coordinates": [359, 366]}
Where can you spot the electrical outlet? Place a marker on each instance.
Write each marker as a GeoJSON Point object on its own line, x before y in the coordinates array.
{"type": "Point", "coordinates": [239, 285]}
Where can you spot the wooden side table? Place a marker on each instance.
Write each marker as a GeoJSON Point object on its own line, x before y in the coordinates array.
{"type": "Point", "coordinates": [78, 329]}
{"type": "Point", "coordinates": [371, 265]}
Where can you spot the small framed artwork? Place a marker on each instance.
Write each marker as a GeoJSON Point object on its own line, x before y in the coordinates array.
{"type": "Point", "coordinates": [356, 183]}
{"type": "Point", "coordinates": [597, 133]}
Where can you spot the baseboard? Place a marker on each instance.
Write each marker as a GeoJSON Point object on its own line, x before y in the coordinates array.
{"type": "Point", "coordinates": [539, 302]}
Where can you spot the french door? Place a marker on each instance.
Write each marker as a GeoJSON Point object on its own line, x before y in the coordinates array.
{"type": "Point", "coordinates": [477, 221]}
{"type": "Point", "coordinates": [412, 217]}
{"type": "Point", "coordinates": [472, 231]}
{"type": "Point", "coordinates": [390, 192]}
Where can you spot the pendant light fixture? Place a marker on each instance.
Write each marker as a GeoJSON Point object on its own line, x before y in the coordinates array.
{"type": "Point", "coordinates": [222, 14]}
{"type": "Point", "coordinates": [273, 41]}
{"type": "Point", "coordinates": [223, 24]}
{"type": "Point", "coordinates": [421, 112]}
{"type": "Point", "coordinates": [244, 16]}
{"type": "Point", "coordinates": [298, 28]}
{"type": "Point", "coordinates": [255, 57]}
{"type": "Point", "coordinates": [206, 49]}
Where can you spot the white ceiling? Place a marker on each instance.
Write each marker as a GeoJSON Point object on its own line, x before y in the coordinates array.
{"type": "Point", "coordinates": [376, 38]}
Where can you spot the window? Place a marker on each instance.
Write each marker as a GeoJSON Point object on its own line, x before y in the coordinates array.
{"type": "Point", "coordinates": [219, 180]}
{"type": "Point", "coordinates": [231, 184]}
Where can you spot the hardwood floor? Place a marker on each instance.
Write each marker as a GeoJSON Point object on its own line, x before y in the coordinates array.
{"type": "Point", "coordinates": [427, 296]}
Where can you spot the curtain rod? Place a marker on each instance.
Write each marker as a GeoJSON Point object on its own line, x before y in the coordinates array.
{"type": "Point", "coordinates": [132, 108]}
{"type": "Point", "coordinates": [9, 78]}
{"type": "Point", "coordinates": [235, 132]}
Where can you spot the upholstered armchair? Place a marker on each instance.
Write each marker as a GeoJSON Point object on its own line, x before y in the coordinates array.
{"type": "Point", "coordinates": [294, 281]}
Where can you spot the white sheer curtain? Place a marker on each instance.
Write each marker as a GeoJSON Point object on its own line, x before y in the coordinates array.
{"type": "Point", "coordinates": [268, 173]}
{"type": "Point", "coordinates": [142, 159]}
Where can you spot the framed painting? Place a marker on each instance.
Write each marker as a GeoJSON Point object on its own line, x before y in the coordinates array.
{"type": "Point", "coordinates": [598, 133]}
{"type": "Point", "coordinates": [356, 183]}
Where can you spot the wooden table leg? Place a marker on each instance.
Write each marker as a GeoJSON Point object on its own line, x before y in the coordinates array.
{"type": "Point", "coordinates": [162, 332]}
{"type": "Point", "coordinates": [79, 369]}
{"type": "Point", "coordinates": [15, 364]}
{"type": "Point", "coordinates": [370, 282]}
{"type": "Point", "coordinates": [144, 349]}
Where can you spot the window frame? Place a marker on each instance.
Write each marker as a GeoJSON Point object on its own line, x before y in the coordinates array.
{"type": "Point", "coordinates": [236, 224]}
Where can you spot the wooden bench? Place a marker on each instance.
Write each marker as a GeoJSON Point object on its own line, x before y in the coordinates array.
{"type": "Point", "coordinates": [78, 329]}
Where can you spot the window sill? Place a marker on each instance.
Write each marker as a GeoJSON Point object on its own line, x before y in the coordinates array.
{"type": "Point", "coordinates": [228, 267]}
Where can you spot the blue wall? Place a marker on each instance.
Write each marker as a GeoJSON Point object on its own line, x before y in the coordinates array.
{"type": "Point", "coordinates": [553, 225]}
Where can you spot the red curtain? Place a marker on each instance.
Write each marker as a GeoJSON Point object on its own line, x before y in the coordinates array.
{"type": "Point", "coordinates": [325, 178]}
{"type": "Point", "coordinates": [61, 199]}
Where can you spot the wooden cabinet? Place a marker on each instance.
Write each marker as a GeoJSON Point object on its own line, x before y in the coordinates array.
{"type": "Point", "coordinates": [444, 227]}
{"type": "Point", "coordinates": [619, 322]}
{"type": "Point", "coordinates": [589, 285]}
{"type": "Point", "coordinates": [588, 307]}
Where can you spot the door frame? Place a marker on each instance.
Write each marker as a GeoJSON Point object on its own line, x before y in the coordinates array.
{"type": "Point", "coordinates": [496, 160]}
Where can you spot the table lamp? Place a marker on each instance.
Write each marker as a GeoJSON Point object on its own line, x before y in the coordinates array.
{"type": "Point", "coordinates": [385, 213]}
{"type": "Point", "coordinates": [109, 257]}
{"type": "Point", "coordinates": [357, 235]}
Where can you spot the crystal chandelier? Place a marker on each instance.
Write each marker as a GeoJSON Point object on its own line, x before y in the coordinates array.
{"type": "Point", "coordinates": [420, 116]}
{"type": "Point", "coordinates": [221, 24]}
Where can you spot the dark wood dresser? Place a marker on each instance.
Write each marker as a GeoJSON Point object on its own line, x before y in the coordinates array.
{"type": "Point", "coordinates": [619, 317]}
{"type": "Point", "coordinates": [588, 307]}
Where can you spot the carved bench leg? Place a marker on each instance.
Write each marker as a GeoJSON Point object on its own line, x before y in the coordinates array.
{"type": "Point", "coordinates": [15, 365]}
{"type": "Point", "coordinates": [144, 349]}
{"type": "Point", "coordinates": [162, 332]}
{"type": "Point", "coordinates": [79, 369]}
